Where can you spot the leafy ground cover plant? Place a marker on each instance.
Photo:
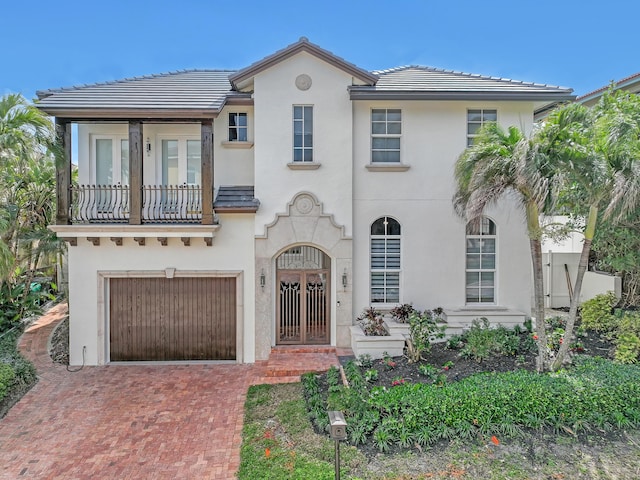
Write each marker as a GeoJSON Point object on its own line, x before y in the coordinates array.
{"type": "Point", "coordinates": [296, 451]}
{"type": "Point", "coordinates": [588, 396]}
{"type": "Point", "coordinates": [17, 375]}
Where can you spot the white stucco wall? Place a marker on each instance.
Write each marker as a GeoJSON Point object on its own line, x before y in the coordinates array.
{"type": "Point", "coordinates": [274, 97]}
{"type": "Point", "coordinates": [232, 250]}
{"type": "Point", "coordinates": [433, 238]}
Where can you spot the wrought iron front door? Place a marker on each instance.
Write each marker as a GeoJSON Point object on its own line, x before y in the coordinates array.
{"type": "Point", "coordinates": [303, 296]}
{"type": "Point", "coordinates": [303, 307]}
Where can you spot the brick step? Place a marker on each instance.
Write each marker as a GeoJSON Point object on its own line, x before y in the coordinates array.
{"type": "Point", "coordinates": [292, 361]}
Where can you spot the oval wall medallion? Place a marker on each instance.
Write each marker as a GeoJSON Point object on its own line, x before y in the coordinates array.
{"type": "Point", "coordinates": [304, 204]}
{"type": "Point", "coordinates": [303, 82]}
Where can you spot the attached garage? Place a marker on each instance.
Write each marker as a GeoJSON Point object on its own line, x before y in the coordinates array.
{"type": "Point", "coordinates": [171, 319]}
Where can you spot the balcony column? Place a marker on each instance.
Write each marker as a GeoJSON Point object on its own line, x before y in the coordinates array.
{"type": "Point", "coordinates": [63, 171]}
{"type": "Point", "coordinates": [206, 153]}
{"type": "Point", "coordinates": [136, 152]}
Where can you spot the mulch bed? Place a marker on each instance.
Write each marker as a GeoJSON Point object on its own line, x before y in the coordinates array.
{"type": "Point", "coordinates": [594, 345]}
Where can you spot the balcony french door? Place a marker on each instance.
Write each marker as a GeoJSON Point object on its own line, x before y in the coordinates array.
{"type": "Point", "coordinates": [303, 296]}
{"type": "Point", "coordinates": [111, 154]}
{"type": "Point", "coordinates": [181, 175]}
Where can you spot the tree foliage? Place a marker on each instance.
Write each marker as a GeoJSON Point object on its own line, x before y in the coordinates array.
{"type": "Point", "coordinates": [500, 163]}
{"type": "Point", "coordinates": [595, 154]}
{"type": "Point", "coordinates": [582, 160]}
{"type": "Point", "coordinates": [27, 200]}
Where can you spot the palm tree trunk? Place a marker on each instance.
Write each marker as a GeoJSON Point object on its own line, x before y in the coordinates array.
{"type": "Point", "coordinates": [589, 232]}
{"type": "Point", "coordinates": [535, 243]}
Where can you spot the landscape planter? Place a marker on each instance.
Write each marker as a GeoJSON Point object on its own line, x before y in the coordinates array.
{"type": "Point", "coordinates": [396, 328]}
{"type": "Point", "coordinates": [376, 346]}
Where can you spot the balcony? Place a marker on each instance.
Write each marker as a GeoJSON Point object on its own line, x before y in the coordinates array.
{"type": "Point", "coordinates": [161, 204]}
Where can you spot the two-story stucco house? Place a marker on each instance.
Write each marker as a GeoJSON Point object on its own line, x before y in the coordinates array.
{"type": "Point", "coordinates": [220, 213]}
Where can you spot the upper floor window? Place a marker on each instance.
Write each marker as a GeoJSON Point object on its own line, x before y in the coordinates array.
{"type": "Point", "coordinates": [238, 127]}
{"type": "Point", "coordinates": [302, 133]}
{"type": "Point", "coordinates": [386, 128]}
{"type": "Point", "coordinates": [481, 261]}
{"type": "Point", "coordinates": [476, 119]}
{"type": "Point", "coordinates": [385, 260]}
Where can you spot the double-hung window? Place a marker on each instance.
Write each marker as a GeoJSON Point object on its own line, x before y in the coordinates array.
{"type": "Point", "coordinates": [386, 129]}
{"type": "Point", "coordinates": [481, 261]}
{"type": "Point", "coordinates": [476, 119]}
{"type": "Point", "coordinates": [238, 127]}
{"type": "Point", "coordinates": [385, 260]}
{"type": "Point", "coordinates": [302, 133]}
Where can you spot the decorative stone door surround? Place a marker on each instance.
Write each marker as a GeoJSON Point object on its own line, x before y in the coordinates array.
{"type": "Point", "coordinates": [303, 223]}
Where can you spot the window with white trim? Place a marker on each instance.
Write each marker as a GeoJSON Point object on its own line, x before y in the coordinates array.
{"type": "Point", "coordinates": [476, 119]}
{"type": "Point", "coordinates": [385, 260]}
{"type": "Point", "coordinates": [238, 127]}
{"type": "Point", "coordinates": [386, 129]}
{"type": "Point", "coordinates": [302, 133]}
{"type": "Point", "coordinates": [481, 261]}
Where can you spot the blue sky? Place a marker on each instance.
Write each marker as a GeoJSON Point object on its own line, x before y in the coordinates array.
{"type": "Point", "coordinates": [582, 44]}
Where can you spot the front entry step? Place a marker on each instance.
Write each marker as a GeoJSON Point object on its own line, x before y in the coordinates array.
{"type": "Point", "coordinates": [295, 360]}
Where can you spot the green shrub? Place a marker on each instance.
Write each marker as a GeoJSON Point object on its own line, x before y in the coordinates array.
{"type": "Point", "coordinates": [365, 360]}
{"type": "Point", "coordinates": [454, 342]}
{"type": "Point", "coordinates": [7, 376]}
{"type": "Point", "coordinates": [629, 322]}
{"type": "Point", "coordinates": [597, 313]}
{"type": "Point", "coordinates": [628, 348]}
{"type": "Point", "coordinates": [595, 394]}
{"type": "Point", "coordinates": [371, 375]}
{"type": "Point", "coordinates": [480, 340]}
{"type": "Point", "coordinates": [423, 330]}
{"type": "Point", "coordinates": [17, 374]}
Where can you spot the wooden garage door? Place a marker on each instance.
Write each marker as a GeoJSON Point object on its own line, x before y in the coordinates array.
{"type": "Point", "coordinates": [172, 319]}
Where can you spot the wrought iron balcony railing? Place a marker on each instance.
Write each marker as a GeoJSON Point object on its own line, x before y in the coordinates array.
{"type": "Point", "coordinates": [160, 203]}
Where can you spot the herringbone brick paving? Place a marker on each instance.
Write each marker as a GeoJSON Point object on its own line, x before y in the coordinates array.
{"type": "Point", "coordinates": [135, 421]}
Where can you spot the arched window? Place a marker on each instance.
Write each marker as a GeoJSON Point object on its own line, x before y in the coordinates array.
{"type": "Point", "coordinates": [385, 261]}
{"type": "Point", "coordinates": [481, 261]}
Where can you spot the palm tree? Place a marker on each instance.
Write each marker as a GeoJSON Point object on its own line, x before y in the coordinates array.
{"type": "Point", "coordinates": [596, 156]}
{"type": "Point", "coordinates": [27, 180]}
{"type": "Point", "coordinates": [24, 129]}
{"type": "Point", "coordinates": [498, 164]}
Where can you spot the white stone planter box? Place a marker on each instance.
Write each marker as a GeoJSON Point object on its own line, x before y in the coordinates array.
{"type": "Point", "coordinates": [362, 344]}
{"type": "Point", "coordinates": [394, 327]}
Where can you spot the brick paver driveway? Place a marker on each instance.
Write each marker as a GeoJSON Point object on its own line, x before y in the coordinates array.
{"type": "Point", "coordinates": [125, 422]}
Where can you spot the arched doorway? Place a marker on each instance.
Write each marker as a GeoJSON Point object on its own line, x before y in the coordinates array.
{"type": "Point", "coordinates": [303, 274]}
